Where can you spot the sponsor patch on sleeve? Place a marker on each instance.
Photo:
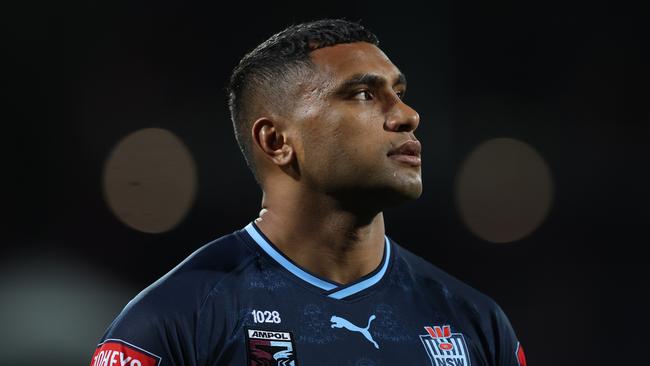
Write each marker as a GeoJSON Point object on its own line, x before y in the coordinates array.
{"type": "Point", "coordinates": [116, 352]}
{"type": "Point", "coordinates": [521, 357]}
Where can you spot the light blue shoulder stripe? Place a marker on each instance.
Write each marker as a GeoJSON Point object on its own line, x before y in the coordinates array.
{"type": "Point", "coordinates": [286, 263]}
{"type": "Point", "coordinates": [368, 281]}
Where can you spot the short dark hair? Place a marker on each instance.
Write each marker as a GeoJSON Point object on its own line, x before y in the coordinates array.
{"type": "Point", "coordinates": [266, 72]}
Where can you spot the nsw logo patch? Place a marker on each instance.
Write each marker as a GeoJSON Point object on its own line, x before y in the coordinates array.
{"type": "Point", "coordinates": [444, 347]}
{"type": "Point", "coordinates": [118, 352]}
{"type": "Point", "coordinates": [270, 348]}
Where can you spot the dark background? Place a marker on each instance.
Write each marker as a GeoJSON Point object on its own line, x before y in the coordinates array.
{"type": "Point", "coordinates": [569, 79]}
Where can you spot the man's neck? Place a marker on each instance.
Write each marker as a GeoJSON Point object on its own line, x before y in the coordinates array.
{"type": "Point", "coordinates": [328, 241]}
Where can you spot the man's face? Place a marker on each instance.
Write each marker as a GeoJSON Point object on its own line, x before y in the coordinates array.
{"type": "Point", "coordinates": [348, 118]}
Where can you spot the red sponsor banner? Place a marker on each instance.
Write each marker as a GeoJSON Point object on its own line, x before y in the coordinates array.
{"type": "Point", "coordinates": [120, 353]}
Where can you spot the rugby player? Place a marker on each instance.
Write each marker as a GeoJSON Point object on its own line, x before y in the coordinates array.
{"type": "Point", "coordinates": [319, 114]}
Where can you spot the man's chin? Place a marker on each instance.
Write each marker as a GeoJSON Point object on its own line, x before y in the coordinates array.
{"type": "Point", "coordinates": [404, 195]}
{"type": "Point", "coordinates": [379, 198]}
{"type": "Point", "coordinates": [397, 195]}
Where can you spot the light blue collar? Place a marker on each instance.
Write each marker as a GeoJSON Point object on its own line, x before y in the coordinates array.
{"type": "Point", "coordinates": [336, 291]}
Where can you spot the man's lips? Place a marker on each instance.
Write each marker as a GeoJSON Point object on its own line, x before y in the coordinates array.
{"type": "Point", "coordinates": [408, 152]}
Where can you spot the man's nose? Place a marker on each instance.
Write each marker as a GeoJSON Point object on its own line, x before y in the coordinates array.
{"type": "Point", "coordinates": [402, 118]}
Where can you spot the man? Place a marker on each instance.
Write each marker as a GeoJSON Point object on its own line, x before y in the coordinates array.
{"type": "Point", "coordinates": [314, 280]}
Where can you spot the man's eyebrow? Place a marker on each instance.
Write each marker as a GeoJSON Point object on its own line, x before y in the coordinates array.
{"type": "Point", "coordinates": [372, 80]}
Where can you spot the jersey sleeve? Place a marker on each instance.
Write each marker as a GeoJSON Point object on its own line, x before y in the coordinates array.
{"type": "Point", "coordinates": [182, 319]}
{"type": "Point", "coordinates": [146, 336]}
{"type": "Point", "coordinates": [510, 352]}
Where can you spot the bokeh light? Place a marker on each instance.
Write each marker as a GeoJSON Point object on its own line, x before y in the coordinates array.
{"type": "Point", "coordinates": [504, 190]}
{"type": "Point", "coordinates": [54, 308]}
{"type": "Point", "coordinates": [150, 180]}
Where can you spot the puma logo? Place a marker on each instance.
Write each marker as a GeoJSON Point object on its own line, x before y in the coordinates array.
{"type": "Point", "coordinates": [338, 322]}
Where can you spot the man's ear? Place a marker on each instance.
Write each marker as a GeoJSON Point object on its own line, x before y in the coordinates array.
{"type": "Point", "coordinates": [272, 141]}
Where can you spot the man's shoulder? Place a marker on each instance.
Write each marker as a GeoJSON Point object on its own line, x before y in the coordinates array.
{"type": "Point", "coordinates": [173, 306]}
{"type": "Point", "coordinates": [436, 280]}
{"type": "Point", "coordinates": [186, 286]}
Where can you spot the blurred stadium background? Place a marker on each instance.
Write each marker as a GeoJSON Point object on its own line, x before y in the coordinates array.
{"type": "Point", "coordinates": [119, 159]}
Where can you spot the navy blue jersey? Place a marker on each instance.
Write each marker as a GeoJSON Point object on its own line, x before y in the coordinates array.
{"type": "Point", "coordinates": [239, 301]}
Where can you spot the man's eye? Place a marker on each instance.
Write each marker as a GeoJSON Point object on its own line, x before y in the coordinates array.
{"type": "Point", "coordinates": [362, 95]}
{"type": "Point", "coordinates": [400, 94]}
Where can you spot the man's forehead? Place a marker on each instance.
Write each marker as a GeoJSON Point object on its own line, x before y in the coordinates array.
{"type": "Point", "coordinates": [343, 61]}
